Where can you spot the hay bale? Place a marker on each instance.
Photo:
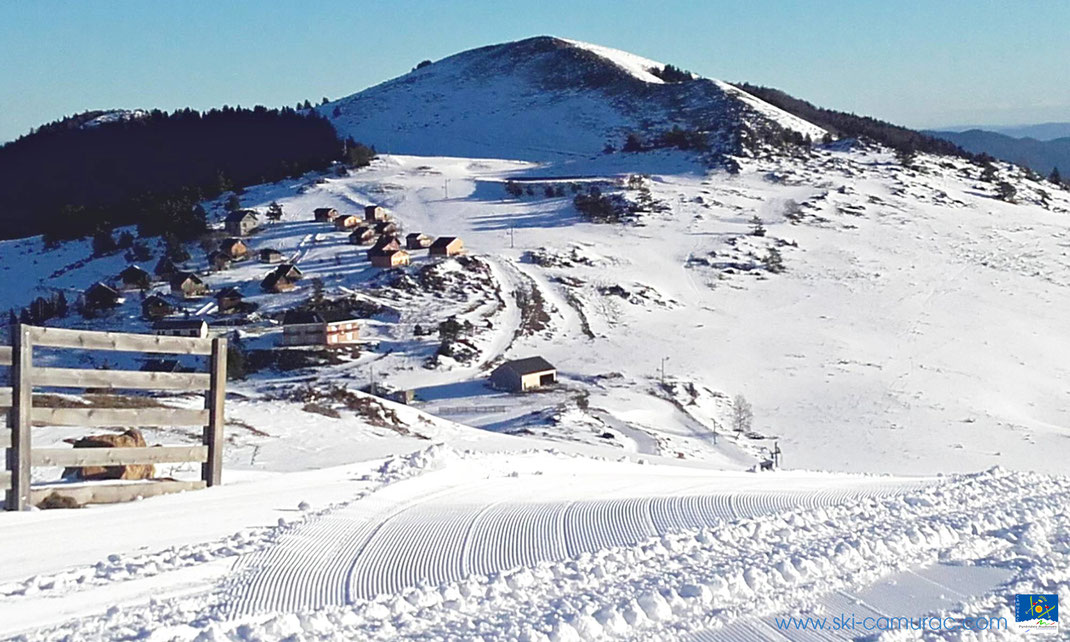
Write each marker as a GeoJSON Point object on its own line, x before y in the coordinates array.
{"type": "Point", "coordinates": [131, 438]}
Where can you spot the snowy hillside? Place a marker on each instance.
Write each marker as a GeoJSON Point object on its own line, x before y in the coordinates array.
{"type": "Point", "coordinates": [546, 98]}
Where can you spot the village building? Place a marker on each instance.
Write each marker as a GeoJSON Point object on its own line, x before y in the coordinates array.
{"type": "Point", "coordinates": [134, 278]}
{"type": "Point", "coordinates": [325, 328]}
{"type": "Point", "coordinates": [290, 271]}
{"type": "Point", "coordinates": [386, 227]}
{"type": "Point", "coordinates": [218, 260]}
{"type": "Point", "coordinates": [375, 213]}
{"type": "Point", "coordinates": [446, 246]}
{"type": "Point", "coordinates": [417, 241]}
{"type": "Point", "coordinates": [229, 300]}
{"type": "Point", "coordinates": [390, 258]}
{"type": "Point", "coordinates": [277, 283]}
{"type": "Point", "coordinates": [271, 255]}
{"type": "Point", "coordinates": [155, 307]}
{"type": "Point", "coordinates": [196, 328]}
{"type": "Point", "coordinates": [362, 235]}
{"type": "Point", "coordinates": [521, 375]}
{"type": "Point", "coordinates": [188, 285]}
{"type": "Point", "coordinates": [325, 214]}
{"type": "Point", "coordinates": [165, 268]}
{"type": "Point", "coordinates": [100, 296]}
{"type": "Point", "coordinates": [234, 248]}
{"type": "Point", "coordinates": [385, 244]}
{"type": "Point", "coordinates": [346, 221]}
{"type": "Point", "coordinates": [241, 223]}
{"type": "Point", "coordinates": [303, 328]}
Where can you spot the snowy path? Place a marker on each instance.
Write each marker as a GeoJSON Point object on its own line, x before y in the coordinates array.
{"type": "Point", "coordinates": [438, 529]}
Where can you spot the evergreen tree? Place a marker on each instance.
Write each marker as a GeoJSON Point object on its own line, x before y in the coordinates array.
{"type": "Point", "coordinates": [103, 243]}
{"type": "Point", "coordinates": [1006, 191]}
{"type": "Point", "coordinates": [233, 203]}
{"type": "Point", "coordinates": [773, 261]}
{"type": "Point", "coordinates": [757, 229]}
{"type": "Point", "coordinates": [274, 211]}
{"type": "Point", "coordinates": [1055, 177]}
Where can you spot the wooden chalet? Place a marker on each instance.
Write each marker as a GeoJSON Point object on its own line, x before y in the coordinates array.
{"type": "Point", "coordinates": [155, 307]}
{"type": "Point", "coordinates": [346, 221]}
{"type": "Point", "coordinates": [325, 214]}
{"type": "Point", "coordinates": [134, 278]}
{"type": "Point", "coordinates": [234, 248]}
{"type": "Point", "coordinates": [375, 213]}
{"type": "Point", "coordinates": [229, 300]}
{"type": "Point", "coordinates": [196, 328]}
{"type": "Point", "coordinates": [188, 285]}
{"type": "Point", "coordinates": [417, 241]}
{"type": "Point", "coordinates": [271, 255]}
{"type": "Point", "coordinates": [241, 223]}
{"type": "Point", "coordinates": [386, 227]}
{"type": "Point", "coordinates": [390, 258]}
{"type": "Point", "coordinates": [446, 246]}
{"type": "Point", "coordinates": [362, 235]}
{"type": "Point", "coordinates": [322, 328]}
{"type": "Point", "coordinates": [101, 296]}
{"type": "Point", "coordinates": [219, 260]}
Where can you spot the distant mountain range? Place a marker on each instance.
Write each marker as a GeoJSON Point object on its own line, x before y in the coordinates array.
{"type": "Point", "coordinates": [1039, 155]}
{"type": "Point", "coordinates": [1040, 131]}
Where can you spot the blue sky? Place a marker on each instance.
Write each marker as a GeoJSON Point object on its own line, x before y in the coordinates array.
{"type": "Point", "coordinates": [922, 64]}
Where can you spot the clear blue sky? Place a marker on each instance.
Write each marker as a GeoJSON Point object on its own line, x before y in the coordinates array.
{"type": "Point", "coordinates": [919, 63]}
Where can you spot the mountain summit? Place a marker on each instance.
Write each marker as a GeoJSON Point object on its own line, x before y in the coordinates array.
{"type": "Point", "coordinates": [547, 98]}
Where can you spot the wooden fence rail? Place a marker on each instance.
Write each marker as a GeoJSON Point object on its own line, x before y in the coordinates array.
{"type": "Point", "coordinates": [22, 414]}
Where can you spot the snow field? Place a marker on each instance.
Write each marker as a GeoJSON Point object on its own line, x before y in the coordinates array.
{"type": "Point", "coordinates": [951, 543]}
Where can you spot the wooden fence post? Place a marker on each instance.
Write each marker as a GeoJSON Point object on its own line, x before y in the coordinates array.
{"type": "Point", "coordinates": [21, 408]}
{"type": "Point", "coordinates": [212, 470]}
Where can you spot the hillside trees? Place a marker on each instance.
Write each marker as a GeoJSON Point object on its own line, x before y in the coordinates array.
{"type": "Point", "coordinates": [67, 181]}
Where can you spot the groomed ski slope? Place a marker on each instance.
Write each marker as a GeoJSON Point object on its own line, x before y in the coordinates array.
{"type": "Point", "coordinates": [449, 525]}
{"type": "Point", "coordinates": [543, 546]}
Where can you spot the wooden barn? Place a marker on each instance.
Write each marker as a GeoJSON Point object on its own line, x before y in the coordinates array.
{"type": "Point", "coordinates": [446, 246]}
{"type": "Point", "coordinates": [241, 223]}
{"type": "Point", "coordinates": [325, 214]}
{"type": "Point", "coordinates": [521, 375]}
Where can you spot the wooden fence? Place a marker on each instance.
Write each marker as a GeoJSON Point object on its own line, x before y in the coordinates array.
{"type": "Point", "coordinates": [18, 402]}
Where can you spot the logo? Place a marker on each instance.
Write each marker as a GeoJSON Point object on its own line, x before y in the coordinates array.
{"type": "Point", "coordinates": [1037, 611]}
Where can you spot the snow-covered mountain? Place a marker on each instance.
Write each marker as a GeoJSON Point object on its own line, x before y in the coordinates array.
{"type": "Point", "coordinates": [548, 98]}
{"type": "Point", "coordinates": [897, 323]}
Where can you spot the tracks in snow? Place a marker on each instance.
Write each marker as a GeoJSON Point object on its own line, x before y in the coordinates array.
{"type": "Point", "coordinates": [444, 533]}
